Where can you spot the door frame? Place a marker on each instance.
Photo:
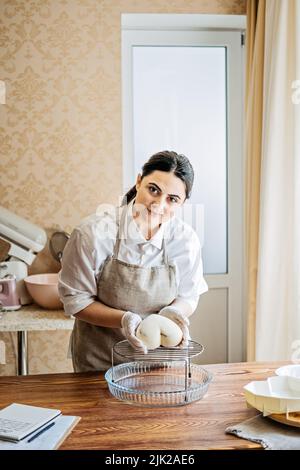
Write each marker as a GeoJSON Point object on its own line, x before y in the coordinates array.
{"type": "Point", "coordinates": [222, 30]}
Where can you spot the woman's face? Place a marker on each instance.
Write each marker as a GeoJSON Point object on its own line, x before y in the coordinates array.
{"type": "Point", "coordinates": [158, 195]}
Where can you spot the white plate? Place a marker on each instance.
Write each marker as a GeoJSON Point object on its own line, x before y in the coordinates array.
{"type": "Point", "coordinates": [273, 395]}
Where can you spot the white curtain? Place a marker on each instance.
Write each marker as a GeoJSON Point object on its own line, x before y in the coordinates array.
{"type": "Point", "coordinates": [278, 282]}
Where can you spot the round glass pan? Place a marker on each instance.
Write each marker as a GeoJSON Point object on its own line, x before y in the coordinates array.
{"type": "Point", "coordinates": [158, 384]}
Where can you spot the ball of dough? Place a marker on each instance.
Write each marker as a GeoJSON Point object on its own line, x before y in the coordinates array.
{"type": "Point", "coordinates": [156, 330]}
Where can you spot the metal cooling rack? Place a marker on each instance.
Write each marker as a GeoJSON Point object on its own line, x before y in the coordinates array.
{"type": "Point", "coordinates": [124, 349]}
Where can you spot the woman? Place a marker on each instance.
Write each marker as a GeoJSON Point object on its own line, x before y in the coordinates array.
{"type": "Point", "coordinates": [118, 269]}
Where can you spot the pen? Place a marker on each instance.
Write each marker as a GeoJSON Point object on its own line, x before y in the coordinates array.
{"type": "Point", "coordinates": [41, 431]}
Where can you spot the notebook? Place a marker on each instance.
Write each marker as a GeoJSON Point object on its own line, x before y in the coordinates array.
{"type": "Point", "coordinates": [50, 439]}
{"type": "Point", "coordinates": [18, 421]}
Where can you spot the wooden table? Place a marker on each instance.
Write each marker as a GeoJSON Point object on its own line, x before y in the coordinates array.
{"type": "Point", "coordinates": [108, 423]}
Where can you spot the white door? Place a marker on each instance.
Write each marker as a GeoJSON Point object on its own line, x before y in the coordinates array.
{"type": "Point", "coordinates": [182, 91]}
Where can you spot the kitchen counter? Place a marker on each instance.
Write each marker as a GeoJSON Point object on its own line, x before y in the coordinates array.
{"type": "Point", "coordinates": [32, 318]}
{"type": "Point", "coordinates": [110, 424]}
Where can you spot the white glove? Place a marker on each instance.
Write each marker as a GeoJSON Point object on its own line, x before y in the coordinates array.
{"type": "Point", "coordinates": [130, 321]}
{"type": "Point", "coordinates": [182, 321]}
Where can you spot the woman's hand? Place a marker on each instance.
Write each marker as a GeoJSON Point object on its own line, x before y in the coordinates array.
{"type": "Point", "coordinates": [182, 321]}
{"type": "Point", "coordinates": [130, 321]}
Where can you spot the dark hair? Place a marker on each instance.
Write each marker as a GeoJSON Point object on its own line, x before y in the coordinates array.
{"type": "Point", "coordinates": [168, 161]}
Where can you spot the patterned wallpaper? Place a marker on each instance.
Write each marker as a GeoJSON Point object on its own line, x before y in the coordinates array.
{"type": "Point", "coordinates": [60, 129]}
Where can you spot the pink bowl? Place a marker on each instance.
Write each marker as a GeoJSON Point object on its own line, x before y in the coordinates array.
{"type": "Point", "coordinates": [43, 288]}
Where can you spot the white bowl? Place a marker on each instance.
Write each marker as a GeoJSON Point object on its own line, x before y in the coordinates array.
{"type": "Point", "coordinates": [292, 372]}
{"type": "Point", "coordinates": [43, 289]}
{"type": "Point", "coordinates": [273, 395]}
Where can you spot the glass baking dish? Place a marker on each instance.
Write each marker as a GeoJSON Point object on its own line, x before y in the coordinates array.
{"type": "Point", "coordinates": [171, 383]}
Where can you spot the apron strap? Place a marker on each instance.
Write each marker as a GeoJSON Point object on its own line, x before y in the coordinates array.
{"type": "Point", "coordinates": [120, 223]}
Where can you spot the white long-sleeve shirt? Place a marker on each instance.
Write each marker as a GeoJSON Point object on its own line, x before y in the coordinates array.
{"type": "Point", "coordinates": [94, 239]}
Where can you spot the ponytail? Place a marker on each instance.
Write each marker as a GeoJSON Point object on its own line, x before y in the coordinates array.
{"type": "Point", "coordinates": [129, 196]}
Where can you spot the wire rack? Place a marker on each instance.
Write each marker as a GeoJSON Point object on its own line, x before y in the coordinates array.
{"type": "Point", "coordinates": [124, 349]}
{"type": "Point", "coordinates": [162, 377]}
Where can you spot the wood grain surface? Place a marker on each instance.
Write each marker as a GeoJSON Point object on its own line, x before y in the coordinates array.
{"type": "Point", "coordinates": [108, 423]}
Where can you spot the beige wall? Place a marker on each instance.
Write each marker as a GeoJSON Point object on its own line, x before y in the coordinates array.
{"type": "Point", "coordinates": [60, 130]}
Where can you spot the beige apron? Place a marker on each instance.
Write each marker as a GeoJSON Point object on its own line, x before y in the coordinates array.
{"type": "Point", "coordinates": [125, 287]}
